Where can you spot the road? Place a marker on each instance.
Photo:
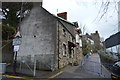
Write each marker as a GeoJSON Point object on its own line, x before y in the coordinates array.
{"type": "Point", "coordinates": [91, 69]}
{"type": "Point", "coordinates": [91, 66]}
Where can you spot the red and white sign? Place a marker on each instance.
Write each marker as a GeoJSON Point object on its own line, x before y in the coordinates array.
{"type": "Point", "coordinates": [18, 35]}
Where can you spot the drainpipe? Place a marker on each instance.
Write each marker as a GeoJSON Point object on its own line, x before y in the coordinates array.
{"type": "Point", "coordinates": [58, 42]}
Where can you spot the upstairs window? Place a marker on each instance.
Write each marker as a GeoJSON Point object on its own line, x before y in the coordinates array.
{"type": "Point", "coordinates": [64, 32]}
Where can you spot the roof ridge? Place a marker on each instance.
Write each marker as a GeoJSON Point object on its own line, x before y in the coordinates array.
{"type": "Point", "coordinates": [63, 19]}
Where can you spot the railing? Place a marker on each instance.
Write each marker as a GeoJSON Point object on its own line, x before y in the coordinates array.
{"type": "Point", "coordinates": [97, 68]}
{"type": "Point", "coordinates": [24, 62]}
{"type": "Point", "coordinates": [33, 63]}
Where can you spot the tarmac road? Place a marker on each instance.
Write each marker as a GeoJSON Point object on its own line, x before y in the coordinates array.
{"type": "Point", "coordinates": [95, 66]}
{"type": "Point", "coordinates": [69, 72]}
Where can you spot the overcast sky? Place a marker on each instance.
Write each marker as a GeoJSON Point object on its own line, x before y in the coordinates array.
{"type": "Point", "coordinates": [85, 12]}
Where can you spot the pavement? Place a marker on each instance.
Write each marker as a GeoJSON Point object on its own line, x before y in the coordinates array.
{"type": "Point", "coordinates": [94, 65]}
{"type": "Point", "coordinates": [74, 72]}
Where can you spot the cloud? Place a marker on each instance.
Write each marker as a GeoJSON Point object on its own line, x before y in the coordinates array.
{"type": "Point", "coordinates": [85, 12]}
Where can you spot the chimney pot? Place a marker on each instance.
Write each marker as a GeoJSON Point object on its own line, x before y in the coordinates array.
{"type": "Point", "coordinates": [63, 15]}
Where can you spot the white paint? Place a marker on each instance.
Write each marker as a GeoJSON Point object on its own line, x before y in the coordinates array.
{"type": "Point", "coordinates": [16, 48]}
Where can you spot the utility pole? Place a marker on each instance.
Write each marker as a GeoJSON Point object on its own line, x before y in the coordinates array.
{"type": "Point", "coordinates": [15, 62]}
{"type": "Point", "coordinates": [16, 43]}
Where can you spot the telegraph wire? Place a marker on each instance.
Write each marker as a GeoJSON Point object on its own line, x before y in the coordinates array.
{"type": "Point", "coordinates": [105, 11]}
{"type": "Point", "coordinates": [116, 6]}
{"type": "Point", "coordinates": [98, 13]}
{"type": "Point", "coordinates": [20, 15]}
{"type": "Point", "coordinates": [6, 44]}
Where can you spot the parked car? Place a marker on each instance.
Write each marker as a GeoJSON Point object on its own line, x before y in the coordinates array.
{"type": "Point", "coordinates": [116, 71]}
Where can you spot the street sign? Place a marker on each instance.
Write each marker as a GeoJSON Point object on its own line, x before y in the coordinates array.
{"type": "Point", "coordinates": [18, 35]}
{"type": "Point", "coordinates": [17, 41]}
{"type": "Point", "coordinates": [16, 48]}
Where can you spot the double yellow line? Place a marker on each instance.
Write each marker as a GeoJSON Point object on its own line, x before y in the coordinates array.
{"type": "Point", "coordinates": [14, 77]}
{"type": "Point", "coordinates": [53, 76]}
{"type": "Point", "coordinates": [17, 77]}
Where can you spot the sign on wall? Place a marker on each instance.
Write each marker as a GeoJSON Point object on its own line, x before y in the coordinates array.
{"type": "Point", "coordinates": [16, 48]}
{"type": "Point", "coordinates": [17, 41]}
{"type": "Point", "coordinates": [18, 35]}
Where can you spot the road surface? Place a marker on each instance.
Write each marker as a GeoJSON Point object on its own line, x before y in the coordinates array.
{"type": "Point", "coordinates": [88, 71]}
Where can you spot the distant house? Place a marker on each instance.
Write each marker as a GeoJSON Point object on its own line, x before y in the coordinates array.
{"type": "Point", "coordinates": [48, 39]}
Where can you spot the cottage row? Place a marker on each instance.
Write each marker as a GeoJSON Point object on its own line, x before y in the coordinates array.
{"type": "Point", "coordinates": [49, 40]}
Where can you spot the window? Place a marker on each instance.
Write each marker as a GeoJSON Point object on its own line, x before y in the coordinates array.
{"type": "Point", "coordinates": [64, 50]}
{"type": "Point", "coordinates": [72, 39]}
{"type": "Point", "coordinates": [72, 53]}
{"type": "Point", "coordinates": [72, 50]}
{"type": "Point", "coordinates": [64, 32]}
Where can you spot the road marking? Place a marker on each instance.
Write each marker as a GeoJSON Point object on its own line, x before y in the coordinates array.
{"type": "Point", "coordinates": [17, 77]}
{"type": "Point", "coordinates": [53, 76]}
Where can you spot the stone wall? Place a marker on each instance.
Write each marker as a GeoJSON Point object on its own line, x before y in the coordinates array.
{"type": "Point", "coordinates": [79, 56]}
{"type": "Point", "coordinates": [45, 39]}
{"type": "Point", "coordinates": [64, 37]}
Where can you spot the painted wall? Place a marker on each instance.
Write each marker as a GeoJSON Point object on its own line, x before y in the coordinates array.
{"type": "Point", "coordinates": [39, 38]}
{"type": "Point", "coordinates": [43, 39]}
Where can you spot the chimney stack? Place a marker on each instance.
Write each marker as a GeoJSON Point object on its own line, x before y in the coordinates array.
{"type": "Point", "coordinates": [63, 15]}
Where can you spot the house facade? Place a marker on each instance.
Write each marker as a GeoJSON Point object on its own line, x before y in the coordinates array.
{"type": "Point", "coordinates": [47, 39]}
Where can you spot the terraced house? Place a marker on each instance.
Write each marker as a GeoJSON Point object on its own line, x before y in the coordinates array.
{"type": "Point", "coordinates": [47, 39]}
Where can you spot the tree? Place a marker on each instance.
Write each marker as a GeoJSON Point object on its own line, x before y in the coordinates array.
{"type": "Point", "coordinates": [11, 16]}
{"type": "Point", "coordinates": [7, 32]}
{"type": "Point", "coordinates": [85, 47]}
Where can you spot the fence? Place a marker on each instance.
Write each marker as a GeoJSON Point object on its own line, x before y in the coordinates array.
{"type": "Point", "coordinates": [97, 68]}
{"type": "Point", "coordinates": [31, 66]}
{"type": "Point", "coordinates": [31, 63]}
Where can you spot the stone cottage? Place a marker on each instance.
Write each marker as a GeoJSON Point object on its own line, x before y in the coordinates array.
{"type": "Point", "coordinates": [47, 39]}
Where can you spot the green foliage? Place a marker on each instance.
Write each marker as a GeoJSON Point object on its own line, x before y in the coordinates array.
{"type": "Point", "coordinates": [85, 51]}
{"type": "Point", "coordinates": [107, 58]}
{"type": "Point", "coordinates": [11, 12]}
{"type": "Point", "coordinates": [11, 17]}
{"type": "Point", "coordinates": [8, 32]}
{"type": "Point", "coordinates": [85, 47]}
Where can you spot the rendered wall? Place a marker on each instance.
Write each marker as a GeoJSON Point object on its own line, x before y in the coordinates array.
{"type": "Point", "coordinates": [39, 38]}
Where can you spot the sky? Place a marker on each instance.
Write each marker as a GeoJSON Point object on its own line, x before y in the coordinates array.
{"type": "Point", "coordinates": [87, 13]}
